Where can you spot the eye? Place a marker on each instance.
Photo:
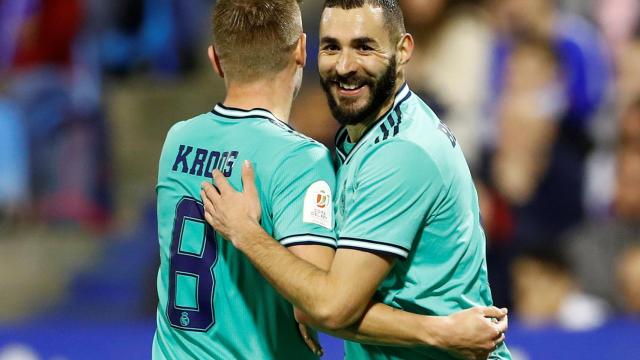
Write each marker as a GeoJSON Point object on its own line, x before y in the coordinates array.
{"type": "Point", "coordinates": [330, 47]}
{"type": "Point", "coordinates": [365, 47]}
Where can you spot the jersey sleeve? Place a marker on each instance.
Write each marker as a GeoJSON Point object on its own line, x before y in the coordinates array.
{"type": "Point", "coordinates": [163, 163]}
{"type": "Point", "coordinates": [397, 186]}
{"type": "Point", "coordinates": [302, 197]}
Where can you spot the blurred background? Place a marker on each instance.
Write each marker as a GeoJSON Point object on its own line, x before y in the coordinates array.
{"type": "Point", "coordinates": [543, 96]}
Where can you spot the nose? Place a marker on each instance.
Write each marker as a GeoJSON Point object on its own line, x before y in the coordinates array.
{"type": "Point", "coordinates": [347, 64]}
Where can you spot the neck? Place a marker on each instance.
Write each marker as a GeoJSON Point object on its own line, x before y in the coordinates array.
{"type": "Point", "coordinates": [357, 130]}
{"type": "Point", "coordinates": [268, 94]}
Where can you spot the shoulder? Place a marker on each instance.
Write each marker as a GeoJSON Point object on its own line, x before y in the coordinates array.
{"type": "Point", "coordinates": [299, 163]}
{"type": "Point", "coordinates": [305, 153]}
{"type": "Point", "coordinates": [282, 136]}
{"type": "Point", "coordinates": [411, 115]}
{"type": "Point", "coordinates": [398, 150]}
{"type": "Point", "coordinates": [298, 143]}
{"type": "Point", "coordinates": [416, 125]}
{"type": "Point", "coordinates": [401, 160]}
{"type": "Point", "coordinates": [183, 127]}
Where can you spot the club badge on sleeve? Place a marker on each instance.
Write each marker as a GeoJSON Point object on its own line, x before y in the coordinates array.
{"type": "Point", "coordinates": [318, 205]}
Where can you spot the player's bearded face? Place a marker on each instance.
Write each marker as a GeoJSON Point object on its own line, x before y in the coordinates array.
{"type": "Point", "coordinates": [349, 110]}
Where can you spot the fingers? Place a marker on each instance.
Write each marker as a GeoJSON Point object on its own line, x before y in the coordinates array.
{"type": "Point", "coordinates": [503, 324]}
{"type": "Point", "coordinates": [208, 207]}
{"type": "Point", "coordinates": [493, 312]}
{"type": "Point", "coordinates": [303, 331]}
{"type": "Point", "coordinates": [309, 340]}
{"type": "Point", "coordinates": [211, 193]}
{"type": "Point", "coordinates": [248, 179]}
{"type": "Point", "coordinates": [491, 347]}
{"type": "Point", "coordinates": [221, 182]}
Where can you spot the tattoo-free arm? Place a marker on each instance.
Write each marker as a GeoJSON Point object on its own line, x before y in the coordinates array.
{"type": "Point", "coordinates": [337, 298]}
{"type": "Point", "coordinates": [381, 324]}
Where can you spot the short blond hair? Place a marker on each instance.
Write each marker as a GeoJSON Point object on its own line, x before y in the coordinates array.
{"type": "Point", "coordinates": [254, 38]}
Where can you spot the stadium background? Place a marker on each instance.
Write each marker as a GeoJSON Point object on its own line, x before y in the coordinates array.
{"type": "Point", "coordinates": [543, 95]}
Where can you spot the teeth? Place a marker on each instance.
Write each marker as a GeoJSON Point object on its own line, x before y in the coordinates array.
{"type": "Point", "coordinates": [348, 87]}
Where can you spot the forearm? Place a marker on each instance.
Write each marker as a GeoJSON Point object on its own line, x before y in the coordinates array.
{"type": "Point", "coordinates": [277, 265]}
{"type": "Point", "coordinates": [384, 325]}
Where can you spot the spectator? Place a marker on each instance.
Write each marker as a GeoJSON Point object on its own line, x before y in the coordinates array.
{"type": "Point", "coordinates": [551, 202]}
{"type": "Point", "coordinates": [598, 247]}
{"type": "Point", "coordinates": [549, 78]}
{"type": "Point", "coordinates": [628, 277]}
{"type": "Point", "coordinates": [14, 162]}
{"type": "Point", "coordinates": [628, 68]}
{"type": "Point", "coordinates": [618, 19]}
{"type": "Point", "coordinates": [448, 34]}
{"type": "Point", "coordinates": [161, 36]}
{"type": "Point", "coordinates": [528, 114]}
{"type": "Point", "coordinates": [546, 293]}
{"type": "Point", "coordinates": [52, 87]}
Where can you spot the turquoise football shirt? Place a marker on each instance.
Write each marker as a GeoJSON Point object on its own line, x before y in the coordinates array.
{"type": "Point", "coordinates": [405, 190]}
{"type": "Point", "coordinates": [213, 304]}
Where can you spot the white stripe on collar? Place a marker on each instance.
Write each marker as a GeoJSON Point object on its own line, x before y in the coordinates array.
{"type": "Point", "coordinates": [231, 112]}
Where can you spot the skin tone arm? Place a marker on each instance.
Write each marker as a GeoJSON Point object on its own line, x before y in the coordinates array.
{"type": "Point", "coordinates": [384, 325]}
{"type": "Point", "coordinates": [335, 300]}
{"type": "Point", "coordinates": [321, 257]}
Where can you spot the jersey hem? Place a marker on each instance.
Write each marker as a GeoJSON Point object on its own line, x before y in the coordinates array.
{"type": "Point", "coordinates": [372, 251]}
{"type": "Point", "coordinates": [372, 246]}
{"type": "Point", "coordinates": [308, 239]}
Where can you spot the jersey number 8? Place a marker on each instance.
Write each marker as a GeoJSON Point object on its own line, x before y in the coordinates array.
{"type": "Point", "coordinates": [194, 252]}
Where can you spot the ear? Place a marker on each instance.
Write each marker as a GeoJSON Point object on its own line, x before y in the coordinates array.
{"type": "Point", "coordinates": [405, 49]}
{"type": "Point", "coordinates": [215, 61]}
{"type": "Point", "coordinates": [300, 52]}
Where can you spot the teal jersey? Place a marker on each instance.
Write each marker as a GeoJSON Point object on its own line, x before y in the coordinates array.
{"type": "Point", "coordinates": [405, 190]}
{"type": "Point", "coordinates": [213, 303]}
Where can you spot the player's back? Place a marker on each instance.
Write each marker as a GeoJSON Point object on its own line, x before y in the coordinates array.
{"type": "Point", "coordinates": [213, 304]}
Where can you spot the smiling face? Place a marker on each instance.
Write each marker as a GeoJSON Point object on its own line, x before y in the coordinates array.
{"type": "Point", "coordinates": [357, 63]}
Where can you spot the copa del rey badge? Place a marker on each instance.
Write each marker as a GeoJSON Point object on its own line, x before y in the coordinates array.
{"type": "Point", "coordinates": [318, 205]}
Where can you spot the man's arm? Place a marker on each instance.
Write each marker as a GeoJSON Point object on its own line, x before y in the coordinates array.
{"type": "Point", "coordinates": [468, 332]}
{"type": "Point", "coordinates": [379, 323]}
{"type": "Point", "coordinates": [321, 257]}
{"type": "Point", "coordinates": [332, 299]}
{"type": "Point", "coordinates": [335, 298]}
{"type": "Point", "coordinates": [339, 304]}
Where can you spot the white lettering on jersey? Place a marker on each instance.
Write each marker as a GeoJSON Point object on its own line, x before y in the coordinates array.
{"type": "Point", "coordinates": [318, 205]}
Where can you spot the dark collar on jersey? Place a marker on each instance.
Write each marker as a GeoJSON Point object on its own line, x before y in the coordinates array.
{"type": "Point", "coordinates": [236, 113]}
{"type": "Point", "coordinates": [342, 135]}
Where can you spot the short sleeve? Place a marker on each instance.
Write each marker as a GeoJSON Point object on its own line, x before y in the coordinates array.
{"type": "Point", "coordinates": [397, 185]}
{"type": "Point", "coordinates": [302, 197]}
{"type": "Point", "coordinates": [163, 163]}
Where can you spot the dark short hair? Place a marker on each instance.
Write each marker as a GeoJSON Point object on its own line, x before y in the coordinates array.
{"type": "Point", "coordinates": [255, 37]}
{"type": "Point", "coordinates": [393, 18]}
{"type": "Point", "coordinates": [553, 258]}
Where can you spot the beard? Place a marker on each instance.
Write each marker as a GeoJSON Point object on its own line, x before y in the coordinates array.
{"type": "Point", "coordinates": [381, 90]}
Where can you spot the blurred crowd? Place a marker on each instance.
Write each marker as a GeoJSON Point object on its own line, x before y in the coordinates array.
{"type": "Point", "coordinates": [55, 57]}
{"type": "Point", "coordinates": [543, 96]}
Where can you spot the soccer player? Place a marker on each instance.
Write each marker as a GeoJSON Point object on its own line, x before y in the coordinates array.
{"type": "Point", "coordinates": [407, 210]}
{"type": "Point", "coordinates": [213, 304]}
